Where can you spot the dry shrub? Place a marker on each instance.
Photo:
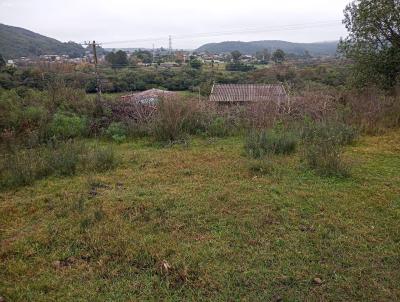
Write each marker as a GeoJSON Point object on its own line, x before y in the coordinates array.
{"type": "Point", "coordinates": [372, 111]}
{"type": "Point", "coordinates": [130, 110]}
{"type": "Point", "coordinates": [262, 115]}
{"type": "Point", "coordinates": [316, 105]}
{"type": "Point", "coordinates": [170, 118]}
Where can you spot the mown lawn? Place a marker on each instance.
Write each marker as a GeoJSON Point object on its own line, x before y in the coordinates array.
{"type": "Point", "coordinates": [195, 223]}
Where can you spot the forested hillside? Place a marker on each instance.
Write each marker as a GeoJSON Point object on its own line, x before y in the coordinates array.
{"type": "Point", "coordinates": [17, 42]}
{"type": "Point", "coordinates": [315, 49]}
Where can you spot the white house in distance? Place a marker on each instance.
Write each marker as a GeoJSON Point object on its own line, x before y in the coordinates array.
{"type": "Point", "coordinates": [11, 63]}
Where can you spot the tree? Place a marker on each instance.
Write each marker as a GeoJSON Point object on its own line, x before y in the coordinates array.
{"type": "Point", "coordinates": [195, 63]}
{"type": "Point", "coordinates": [117, 59]}
{"type": "Point", "coordinates": [2, 61]}
{"type": "Point", "coordinates": [145, 56]}
{"type": "Point", "coordinates": [263, 56]}
{"type": "Point", "coordinates": [373, 42]}
{"type": "Point", "coordinates": [307, 55]}
{"type": "Point", "coordinates": [236, 55]}
{"type": "Point", "coordinates": [278, 56]}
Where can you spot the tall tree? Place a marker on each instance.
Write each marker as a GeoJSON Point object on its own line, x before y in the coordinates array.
{"type": "Point", "coordinates": [279, 56]}
{"type": "Point", "coordinates": [117, 59]}
{"type": "Point", "coordinates": [236, 55]}
{"type": "Point", "coordinates": [2, 61]}
{"type": "Point", "coordinates": [373, 42]}
{"type": "Point", "coordinates": [195, 63]}
{"type": "Point", "coordinates": [263, 56]}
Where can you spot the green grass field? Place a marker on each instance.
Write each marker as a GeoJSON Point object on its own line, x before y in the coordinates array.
{"type": "Point", "coordinates": [195, 223]}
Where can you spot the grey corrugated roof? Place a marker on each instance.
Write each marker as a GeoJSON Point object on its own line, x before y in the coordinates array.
{"type": "Point", "coordinates": [239, 93]}
{"type": "Point", "coordinates": [148, 95]}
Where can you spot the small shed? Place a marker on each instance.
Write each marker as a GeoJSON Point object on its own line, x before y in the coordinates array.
{"type": "Point", "coordinates": [148, 97]}
{"type": "Point", "coordinates": [248, 93]}
{"type": "Point", "coordinates": [140, 106]}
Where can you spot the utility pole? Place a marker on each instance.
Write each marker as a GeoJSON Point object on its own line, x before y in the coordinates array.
{"type": "Point", "coordinates": [98, 82]}
{"type": "Point", "coordinates": [171, 57]}
{"type": "Point", "coordinates": [154, 55]}
{"type": "Point", "coordinates": [170, 45]}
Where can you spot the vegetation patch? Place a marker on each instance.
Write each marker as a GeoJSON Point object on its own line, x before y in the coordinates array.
{"type": "Point", "coordinates": [177, 230]}
{"type": "Point", "coordinates": [323, 147]}
{"type": "Point", "coordinates": [275, 141]}
{"type": "Point", "coordinates": [24, 167]}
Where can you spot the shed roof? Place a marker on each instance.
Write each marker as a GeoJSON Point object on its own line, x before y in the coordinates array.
{"type": "Point", "coordinates": [148, 97]}
{"type": "Point", "coordinates": [241, 93]}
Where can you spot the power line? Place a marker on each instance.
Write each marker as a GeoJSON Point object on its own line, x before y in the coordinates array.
{"type": "Point", "coordinates": [280, 28]}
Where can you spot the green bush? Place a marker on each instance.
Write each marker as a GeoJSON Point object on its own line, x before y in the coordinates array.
{"type": "Point", "coordinates": [197, 121]}
{"type": "Point", "coordinates": [117, 132]}
{"type": "Point", "coordinates": [17, 170]}
{"type": "Point", "coordinates": [336, 132]}
{"type": "Point", "coordinates": [323, 147]}
{"type": "Point", "coordinates": [32, 116]}
{"type": "Point", "coordinates": [261, 143]}
{"type": "Point", "coordinates": [325, 157]}
{"type": "Point", "coordinates": [63, 160]}
{"type": "Point", "coordinates": [103, 159]}
{"type": "Point", "coordinates": [67, 126]}
{"type": "Point", "coordinates": [24, 167]}
{"type": "Point", "coordinates": [218, 128]}
{"type": "Point", "coordinates": [10, 109]}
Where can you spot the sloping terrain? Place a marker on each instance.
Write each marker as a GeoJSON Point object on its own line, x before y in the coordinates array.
{"type": "Point", "coordinates": [194, 223]}
{"type": "Point", "coordinates": [18, 42]}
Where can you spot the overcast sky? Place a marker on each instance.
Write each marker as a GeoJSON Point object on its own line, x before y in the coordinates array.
{"type": "Point", "coordinates": [153, 21]}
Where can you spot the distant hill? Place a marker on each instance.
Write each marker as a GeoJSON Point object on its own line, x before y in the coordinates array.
{"type": "Point", "coordinates": [17, 42]}
{"type": "Point", "coordinates": [315, 49]}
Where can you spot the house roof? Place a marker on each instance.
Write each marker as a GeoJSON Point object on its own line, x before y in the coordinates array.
{"type": "Point", "coordinates": [241, 93]}
{"type": "Point", "coordinates": [148, 97]}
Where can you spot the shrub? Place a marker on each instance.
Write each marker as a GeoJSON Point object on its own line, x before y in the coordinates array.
{"type": "Point", "coordinates": [252, 144]}
{"type": "Point", "coordinates": [325, 157]}
{"type": "Point", "coordinates": [17, 170]}
{"type": "Point", "coordinates": [117, 132]}
{"type": "Point", "coordinates": [67, 126]}
{"type": "Point", "coordinates": [170, 120]}
{"type": "Point", "coordinates": [32, 117]}
{"type": "Point", "coordinates": [372, 111]}
{"type": "Point", "coordinates": [323, 150]}
{"type": "Point", "coordinates": [218, 128]}
{"type": "Point", "coordinates": [336, 132]}
{"type": "Point", "coordinates": [260, 143]}
{"type": "Point", "coordinates": [10, 109]}
{"type": "Point", "coordinates": [63, 159]}
{"type": "Point", "coordinates": [24, 167]}
{"type": "Point", "coordinates": [197, 120]}
{"type": "Point", "coordinates": [103, 159]}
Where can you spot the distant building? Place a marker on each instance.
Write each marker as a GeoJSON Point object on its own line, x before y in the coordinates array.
{"type": "Point", "coordinates": [247, 93]}
{"type": "Point", "coordinates": [10, 63]}
{"type": "Point", "coordinates": [169, 64]}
